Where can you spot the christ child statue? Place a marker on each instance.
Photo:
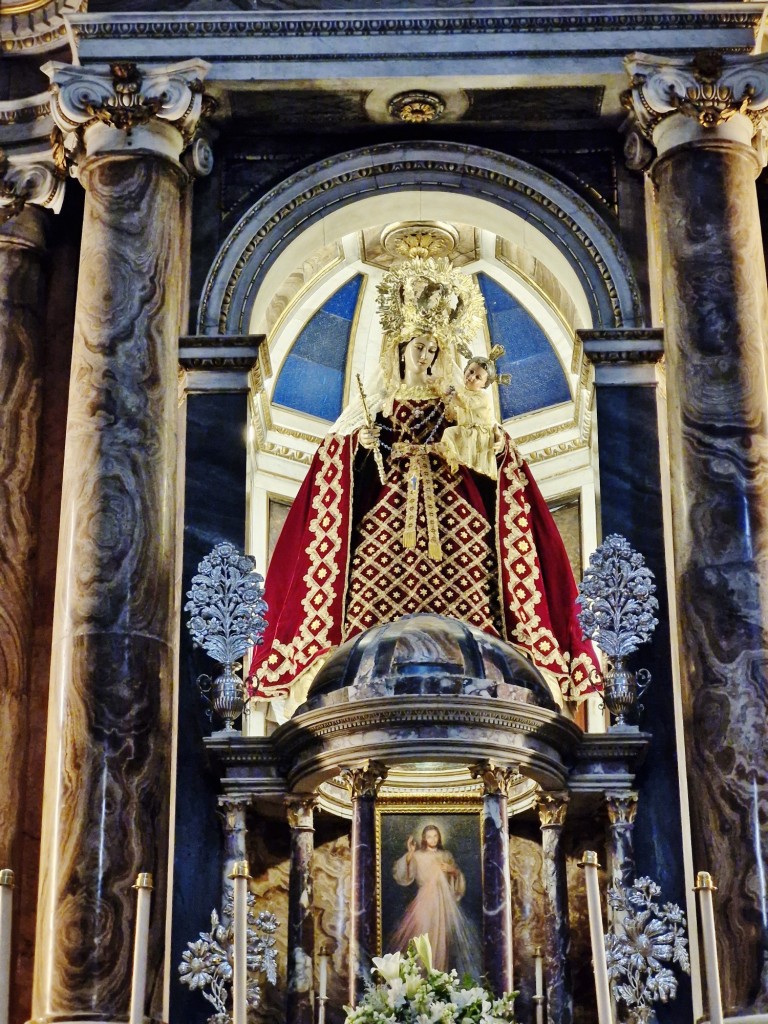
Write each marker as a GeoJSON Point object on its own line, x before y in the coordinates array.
{"type": "Point", "coordinates": [477, 437]}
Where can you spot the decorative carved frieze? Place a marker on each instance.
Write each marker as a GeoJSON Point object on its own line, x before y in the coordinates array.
{"type": "Point", "coordinates": [156, 108]}
{"type": "Point", "coordinates": [552, 808]}
{"type": "Point", "coordinates": [365, 781]}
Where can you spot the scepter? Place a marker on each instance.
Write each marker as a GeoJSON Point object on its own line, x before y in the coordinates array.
{"type": "Point", "coordinates": [369, 423]}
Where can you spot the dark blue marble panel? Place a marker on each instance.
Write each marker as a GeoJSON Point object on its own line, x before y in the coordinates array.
{"type": "Point", "coordinates": [214, 512]}
{"type": "Point", "coordinates": [630, 479]}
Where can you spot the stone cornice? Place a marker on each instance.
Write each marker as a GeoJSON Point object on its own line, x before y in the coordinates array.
{"type": "Point", "coordinates": [280, 41]}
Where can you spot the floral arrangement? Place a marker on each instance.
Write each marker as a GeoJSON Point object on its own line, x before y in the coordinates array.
{"type": "Point", "coordinates": [646, 938]}
{"type": "Point", "coordinates": [206, 963]}
{"type": "Point", "coordinates": [616, 598]}
{"type": "Point", "coordinates": [411, 991]}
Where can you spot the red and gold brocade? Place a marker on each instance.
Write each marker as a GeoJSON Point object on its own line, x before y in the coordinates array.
{"type": "Point", "coordinates": [341, 565]}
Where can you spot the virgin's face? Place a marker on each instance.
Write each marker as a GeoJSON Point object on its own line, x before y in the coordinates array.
{"type": "Point", "coordinates": [418, 356]}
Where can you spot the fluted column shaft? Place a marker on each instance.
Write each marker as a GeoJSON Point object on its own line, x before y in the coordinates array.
{"type": "Point", "coordinates": [301, 922]}
{"type": "Point", "coordinates": [497, 890]}
{"type": "Point", "coordinates": [364, 784]}
{"type": "Point", "coordinates": [716, 310]}
{"type": "Point", "coordinates": [552, 808]}
{"type": "Point", "coordinates": [21, 333]}
{"type": "Point", "coordinates": [107, 773]}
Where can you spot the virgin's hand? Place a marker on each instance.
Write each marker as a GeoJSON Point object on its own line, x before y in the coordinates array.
{"type": "Point", "coordinates": [369, 436]}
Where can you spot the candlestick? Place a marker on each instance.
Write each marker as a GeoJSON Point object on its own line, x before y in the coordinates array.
{"type": "Point", "coordinates": [240, 878]}
{"type": "Point", "coordinates": [705, 887]}
{"type": "Point", "coordinates": [6, 911]}
{"type": "Point", "coordinates": [143, 887]}
{"type": "Point", "coordinates": [602, 988]}
{"type": "Point", "coordinates": [538, 998]}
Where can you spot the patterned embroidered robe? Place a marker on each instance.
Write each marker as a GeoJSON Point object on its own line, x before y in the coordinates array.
{"type": "Point", "coordinates": [355, 552]}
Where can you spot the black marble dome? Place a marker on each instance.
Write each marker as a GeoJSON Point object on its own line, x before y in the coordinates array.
{"type": "Point", "coordinates": [420, 655]}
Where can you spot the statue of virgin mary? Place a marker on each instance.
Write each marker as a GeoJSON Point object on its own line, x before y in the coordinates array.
{"type": "Point", "coordinates": [383, 527]}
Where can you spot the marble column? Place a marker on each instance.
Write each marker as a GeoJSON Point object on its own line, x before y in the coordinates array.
{"type": "Point", "coordinates": [622, 808]}
{"type": "Point", "coordinates": [557, 944]}
{"type": "Point", "coordinates": [704, 117]}
{"type": "Point", "coordinates": [364, 784]}
{"type": "Point", "coordinates": [301, 922]}
{"type": "Point", "coordinates": [107, 786]}
{"type": "Point", "coordinates": [22, 303]}
{"type": "Point", "coordinates": [29, 182]}
{"type": "Point", "coordinates": [232, 810]}
{"type": "Point", "coordinates": [497, 894]}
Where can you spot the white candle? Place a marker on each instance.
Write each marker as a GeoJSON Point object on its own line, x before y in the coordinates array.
{"type": "Point", "coordinates": [6, 911]}
{"type": "Point", "coordinates": [599, 964]}
{"type": "Point", "coordinates": [143, 887]}
{"type": "Point", "coordinates": [705, 887]}
{"type": "Point", "coordinates": [538, 999]}
{"type": "Point", "coordinates": [240, 878]}
{"type": "Point", "coordinates": [322, 976]}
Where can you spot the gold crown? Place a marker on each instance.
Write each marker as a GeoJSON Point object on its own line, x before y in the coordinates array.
{"type": "Point", "coordinates": [429, 296]}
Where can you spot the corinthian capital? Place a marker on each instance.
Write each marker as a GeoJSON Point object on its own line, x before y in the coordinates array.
{"type": "Point", "coordinates": [364, 781]}
{"type": "Point", "coordinates": [677, 100]}
{"type": "Point", "coordinates": [29, 177]}
{"type": "Point", "coordinates": [122, 107]}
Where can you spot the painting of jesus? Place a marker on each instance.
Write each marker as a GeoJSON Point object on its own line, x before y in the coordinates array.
{"type": "Point", "coordinates": [430, 883]}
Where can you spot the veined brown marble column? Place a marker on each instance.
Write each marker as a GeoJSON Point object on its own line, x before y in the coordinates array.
{"type": "Point", "coordinates": [497, 894]}
{"type": "Point", "coordinates": [107, 784]}
{"type": "Point", "coordinates": [364, 784]}
{"type": "Point", "coordinates": [622, 808]}
{"type": "Point", "coordinates": [557, 971]}
{"type": "Point", "coordinates": [301, 922]}
{"type": "Point", "coordinates": [701, 117]}
{"type": "Point", "coordinates": [22, 304]}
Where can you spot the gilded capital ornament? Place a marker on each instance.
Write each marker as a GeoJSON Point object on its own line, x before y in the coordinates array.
{"type": "Point", "coordinates": [29, 176]}
{"type": "Point", "coordinates": [497, 781]}
{"type": "Point", "coordinates": [707, 91]}
{"type": "Point", "coordinates": [232, 810]}
{"type": "Point", "coordinates": [123, 107]}
{"type": "Point", "coordinates": [552, 808]}
{"type": "Point", "coordinates": [365, 781]}
{"type": "Point", "coordinates": [299, 810]}
{"type": "Point", "coordinates": [622, 808]}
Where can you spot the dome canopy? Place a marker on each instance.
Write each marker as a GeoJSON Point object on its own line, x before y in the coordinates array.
{"type": "Point", "coordinates": [421, 655]}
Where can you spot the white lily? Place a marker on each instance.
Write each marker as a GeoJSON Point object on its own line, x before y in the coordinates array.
{"type": "Point", "coordinates": [388, 966]}
{"type": "Point", "coordinates": [423, 949]}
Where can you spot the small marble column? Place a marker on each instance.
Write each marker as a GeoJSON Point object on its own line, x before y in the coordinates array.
{"type": "Point", "coordinates": [622, 808]}
{"type": "Point", "coordinates": [705, 119]}
{"type": "Point", "coordinates": [107, 785]}
{"type": "Point", "coordinates": [552, 808]}
{"type": "Point", "coordinates": [301, 922]}
{"type": "Point", "coordinates": [364, 784]}
{"type": "Point", "coordinates": [232, 810]}
{"type": "Point", "coordinates": [497, 895]}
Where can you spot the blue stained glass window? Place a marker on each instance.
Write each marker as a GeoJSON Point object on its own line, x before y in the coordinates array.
{"type": "Point", "coordinates": [312, 377]}
{"type": "Point", "coordinates": [538, 379]}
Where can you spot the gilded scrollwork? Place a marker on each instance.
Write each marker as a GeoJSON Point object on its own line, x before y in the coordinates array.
{"type": "Point", "coordinates": [622, 808]}
{"type": "Point", "coordinates": [29, 177]}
